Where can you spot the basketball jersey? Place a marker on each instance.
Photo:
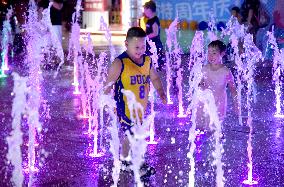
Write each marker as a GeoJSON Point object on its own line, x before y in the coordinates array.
{"type": "Point", "coordinates": [136, 78]}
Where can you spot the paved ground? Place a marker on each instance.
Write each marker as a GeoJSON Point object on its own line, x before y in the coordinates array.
{"type": "Point", "coordinates": [64, 139]}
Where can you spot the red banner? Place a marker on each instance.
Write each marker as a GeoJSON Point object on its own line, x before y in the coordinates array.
{"type": "Point", "coordinates": [95, 5]}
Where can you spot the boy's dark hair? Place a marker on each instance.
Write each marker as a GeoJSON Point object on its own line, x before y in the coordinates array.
{"type": "Point", "coordinates": [219, 44]}
{"type": "Point", "coordinates": [237, 9]}
{"type": "Point", "coordinates": [151, 5]}
{"type": "Point", "coordinates": [135, 32]}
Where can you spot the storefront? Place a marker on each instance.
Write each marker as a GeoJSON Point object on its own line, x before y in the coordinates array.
{"type": "Point", "coordinates": [118, 14]}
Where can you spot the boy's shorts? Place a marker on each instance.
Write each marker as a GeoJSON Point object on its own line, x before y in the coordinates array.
{"type": "Point", "coordinates": [125, 125]}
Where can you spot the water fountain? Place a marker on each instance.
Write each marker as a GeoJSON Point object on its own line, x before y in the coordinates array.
{"type": "Point", "coordinates": [171, 38]}
{"type": "Point", "coordinates": [252, 55]}
{"type": "Point", "coordinates": [278, 66]}
{"type": "Point", "coordinates": [236, 33]}
{"type": "Point", "coordinates": [212, 29]}
{"type": "Point", "coordinates": [196, 59]}
{"type": "Point", "coordinates": [74, 46]}
{"type": "Point", "coordinates": [137, 141]}
{"type": "Point", "coordinates": [195, 97]}
{"type": "Point", "coordinates": [6, 43]}
{"type": "Point", "coordinates": [15, 140]}
{"type": "Point", "coordinates": [108, 37]}
{"type": "Point", "coordinates": [106, 101]}
{"type": "Point", "coordinates": [154, 58]}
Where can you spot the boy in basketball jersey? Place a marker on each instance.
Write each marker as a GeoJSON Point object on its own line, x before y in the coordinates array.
{"type": "Point", "coordinates": [132, 70]}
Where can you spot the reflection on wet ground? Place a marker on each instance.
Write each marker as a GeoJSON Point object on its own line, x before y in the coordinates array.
{"type": "Point", "coordinates": [64, 162]}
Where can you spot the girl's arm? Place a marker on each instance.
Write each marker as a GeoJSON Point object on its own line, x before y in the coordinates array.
{"type": "Point", "coordinates": [233, 90]}
{"type": "Point", "coordinates": [155, 32]}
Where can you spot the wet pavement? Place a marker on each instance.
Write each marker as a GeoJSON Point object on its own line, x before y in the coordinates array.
{"type": "Point", "coordinates": [62, 159]}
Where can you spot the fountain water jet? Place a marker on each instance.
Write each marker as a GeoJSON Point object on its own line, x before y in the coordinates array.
{"type": "Point", "coordinates": [15, 140]}
{"type": "Point", "coordinates": [6, 42]}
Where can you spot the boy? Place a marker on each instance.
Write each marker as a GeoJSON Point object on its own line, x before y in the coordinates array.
{"type": "Point", "coordinates": [132, 70]}
{"type": "Point", "coordinates": [216, 77]}
{"type": "Point", "coordinates": [153, 31]}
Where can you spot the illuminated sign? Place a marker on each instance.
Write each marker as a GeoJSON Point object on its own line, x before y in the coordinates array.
{"type": "Point", "coordinates": [95, 5]}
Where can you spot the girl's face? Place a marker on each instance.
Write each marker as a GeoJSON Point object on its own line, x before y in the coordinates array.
{"type": "Point", "coordinates": [136, 47]}
{"type": "Point", "coordinates": [214, 55]}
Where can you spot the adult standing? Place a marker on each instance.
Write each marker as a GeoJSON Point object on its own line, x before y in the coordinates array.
{"type": "Point", "coordinates": [56, 18]}
{"type": "Point", "coordinates": [278, 18]}
{"type": "Point", "coordinates": [249, 12]}
{"type": "Point", "coordinates": [55, 15]}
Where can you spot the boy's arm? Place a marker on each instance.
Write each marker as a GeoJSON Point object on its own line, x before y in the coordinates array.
{"type": "Point", "coordinates": [155, 32]}
{"type": "Point", "coordinates": [113, 74]}
{"type": "Point", "coordinates": [158, 84]}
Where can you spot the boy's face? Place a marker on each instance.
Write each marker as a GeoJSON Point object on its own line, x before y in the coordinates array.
{"type": "Point", "coordinates": [214, 55]}
{"type": "Point", "coordinates": [147, 12]}
{"type": "Point", "coordinates": [136, 46]}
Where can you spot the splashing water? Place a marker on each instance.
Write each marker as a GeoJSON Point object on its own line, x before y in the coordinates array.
{"type": "Point", "coordinates": [16, 139]}
{"type": "Point", "coordinates": [90, 95]}
{"type": "Point", "coordinates": [154, 58]}
{"type": "Point", "coordinates": [212, 30]}
{"type": "Point", "coordinates": [6, 42]}
{"type": "Point", "coordinates": [196, 59]}
{"type": "Point", "coordinates": [278, 66]}
{"type": "Point", "coordinates": [240, 70]}
{"type": "Point", "coordinates": [236, 33]}
{"type": "Point", "coordinates": [153, 50]}
{"type": "Point", "coordinates": [55, 43]}
{"type": "Point", "coordinates": [138, 144]}
{"type": "Point", "coordinates": [85, 92]}
{"type": "Point", "coordinates": [152, 123]}
{"type": "Point", "coordinates": [74, 46]}
{"type": "Point", "coordinates": [251, 55]}
{"type": "Point", "coordinates": [206, 97]}
{"type": "Point", "coordinates": [176, 56]}
{"type": "Point", "coordinates": [108, 102]}
{"type": "Point", "coordinates": [86, 80]}
{"type": "Point", "coordinates": [100, 80]}
{"type": "Point", "coordinates": [171, 43]}
{"type": "Point", "coordinates": [108, 37]}
{"type": "Point", "coordinates": [38, 42]}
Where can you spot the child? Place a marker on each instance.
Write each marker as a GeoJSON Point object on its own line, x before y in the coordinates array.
{"type": "Point", "coordinates": [132, 70]}
{"type": "Point", "coordinates": [235, 11]}
{"type": "Point", "coordinates": [153, 31]}
{"type": "Point", "coordinates": [216, 77]}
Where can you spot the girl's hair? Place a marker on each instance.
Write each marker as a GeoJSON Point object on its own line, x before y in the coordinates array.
{"type": "Point", "coordinates": [219, 44]}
